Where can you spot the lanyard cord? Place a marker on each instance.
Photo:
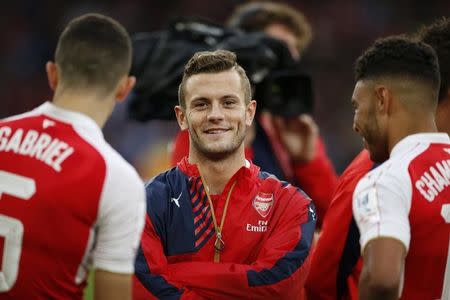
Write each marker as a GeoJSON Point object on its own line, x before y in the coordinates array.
{"type": "Point", "coordinates": [219, 244]}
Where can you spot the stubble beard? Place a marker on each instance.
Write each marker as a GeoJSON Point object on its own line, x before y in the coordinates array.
{"type": "Point", "coordinates": [377, 143]}
{"type": "Point", "coordinates": [219, 152]}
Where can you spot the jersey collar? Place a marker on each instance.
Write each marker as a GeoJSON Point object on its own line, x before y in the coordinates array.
{"type": "Point", "coordinates": [249, 170]}
{"type": "Point", "coordinates": [407, 142]}
{"type": "Point", "coordinates": [72, 117]}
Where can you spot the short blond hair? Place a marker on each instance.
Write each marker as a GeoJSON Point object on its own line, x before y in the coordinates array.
{"type": "Point", "coordinates": [213, 62]}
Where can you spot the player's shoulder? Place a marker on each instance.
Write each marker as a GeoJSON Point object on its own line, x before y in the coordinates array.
{"type": "Point", "coordinates": [19, 117]}
{"type": "Point", "coordinates": [289, 198]}
{"type": "Point", "coordinates": [392, 170]}
{"type": "Point", "coordinates": [167, 189]}
{"type": "Point", "coordinates": [269, 183]}
{"type": "Point", "coordinates": [270, 180]}
{"type": "Point", "coordinates": [164, 178]}
{"type": "Point", "coordinates": [39, 112]}
{"type": "Point", "coordinates": [392, 175]}
{"type": "Point", "coordinates": [118, 167]}
{"type": "Point", "coordinates": [396, 167]}
{"type": "Point", "coordinates": [21, 122]}
{"type": "Point", "coordinates": [122, 187]}
{"type": "Point", "coordinates": [165, 183]}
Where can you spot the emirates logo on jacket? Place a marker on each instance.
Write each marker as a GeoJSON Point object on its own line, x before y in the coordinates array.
{"type": "Point", "coordinates": [263, 203]}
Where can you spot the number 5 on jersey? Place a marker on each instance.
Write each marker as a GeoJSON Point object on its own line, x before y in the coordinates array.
{"type": "Point", "coordinates": [12, 229]}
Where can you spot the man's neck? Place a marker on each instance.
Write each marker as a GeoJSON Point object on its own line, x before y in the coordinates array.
{"type": "Point", "coordinates": [217, 173]}
{"type": "Point", "coordinates": [87, 104]}
{"type": "Point", "coordinates": [408, 126]}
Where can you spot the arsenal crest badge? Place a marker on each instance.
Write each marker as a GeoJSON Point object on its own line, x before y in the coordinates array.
{"type": "Point", "coordinates": [263, 203]}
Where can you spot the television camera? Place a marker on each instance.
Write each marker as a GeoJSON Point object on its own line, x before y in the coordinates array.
{"type": "Point", "coordinates": [159, 58]}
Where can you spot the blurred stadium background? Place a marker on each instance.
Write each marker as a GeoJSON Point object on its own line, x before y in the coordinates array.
{"type": "Point", "coordinates": [342, 29]}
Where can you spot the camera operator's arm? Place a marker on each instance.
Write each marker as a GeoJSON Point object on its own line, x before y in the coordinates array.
{"type": "Point", "coordinates": [312, 168]}
{"type": "Point", "coordinates": [299, 136]}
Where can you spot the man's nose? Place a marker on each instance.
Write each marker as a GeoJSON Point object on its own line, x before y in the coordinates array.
{"type": "Point", "coordinates": [216, 112]}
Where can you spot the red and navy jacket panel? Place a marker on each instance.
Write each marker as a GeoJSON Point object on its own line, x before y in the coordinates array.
{"type": "Point", "coordinates": [267, 233]}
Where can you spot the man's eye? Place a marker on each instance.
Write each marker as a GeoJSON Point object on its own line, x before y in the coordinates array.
{"type": "Point", "coordinates": [229, 102]}
{"type": "Point", "coordinates": [200, 105]}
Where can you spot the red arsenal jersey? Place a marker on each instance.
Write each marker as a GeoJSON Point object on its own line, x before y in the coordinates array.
{"type": "Point", "coordinates": [408, 198]}
{"type": "Point", "coordinates": [67, 201]}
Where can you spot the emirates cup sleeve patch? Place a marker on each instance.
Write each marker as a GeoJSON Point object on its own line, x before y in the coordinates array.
{"type": "Point", "coordinates": [367, 206]}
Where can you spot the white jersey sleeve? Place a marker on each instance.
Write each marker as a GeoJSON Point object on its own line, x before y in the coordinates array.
{"type": "Point", "coordinates": [120, 219]}
{"type": "Point", "coordinates": [381, 204]}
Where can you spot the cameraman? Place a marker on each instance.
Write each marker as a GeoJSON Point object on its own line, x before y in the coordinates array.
{"type": "Point", "coordinates": [289, 148]}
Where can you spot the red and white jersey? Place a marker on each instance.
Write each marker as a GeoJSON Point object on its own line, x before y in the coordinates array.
{"type": "Point", "coordinates": [68, 202]}
{"type": "Point", "coordinates": [408, 198]}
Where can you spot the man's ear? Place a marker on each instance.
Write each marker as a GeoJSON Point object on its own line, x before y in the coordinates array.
{"type": "Point", "coordinates": [250, 112]}
{"type": "Point", "coordinates": [125, 86]}
{"type": "Point", "coordinates": [383, 97]}
{"type": "Point", "coordinates": [180, 113]}
{"type": "Point", "coordinates": [52, 75]}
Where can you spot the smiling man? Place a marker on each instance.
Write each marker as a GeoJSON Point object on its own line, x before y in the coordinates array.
{"type": "Point", "coordinates": [233, 231]}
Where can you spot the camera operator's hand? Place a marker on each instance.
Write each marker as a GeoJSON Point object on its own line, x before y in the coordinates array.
{"type": "Point", "coordinates": [298, 135]}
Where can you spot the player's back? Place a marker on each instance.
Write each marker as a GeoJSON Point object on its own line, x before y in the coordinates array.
{"type": "Point", "coordinates": [429, 219]}
{"type": "Point", "coordinates": [408, 198]}
{"type": "Point", "coordinates": [51, 179]}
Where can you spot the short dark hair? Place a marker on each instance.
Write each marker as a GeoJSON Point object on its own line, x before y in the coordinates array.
{"type": "Point", "coordinates": [94, 51]}
{"type": "Point", "coordinates": [213, 62]}
{"type": "Point", "coordinates": [437, 35]}
{"type": "Point", "coordinates": [401, 57]}
{"type": "Point", "coordinates": [256, 16]}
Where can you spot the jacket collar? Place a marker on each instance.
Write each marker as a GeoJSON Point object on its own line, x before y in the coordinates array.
{"type": "Point", "coordinates": [249, 171]}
